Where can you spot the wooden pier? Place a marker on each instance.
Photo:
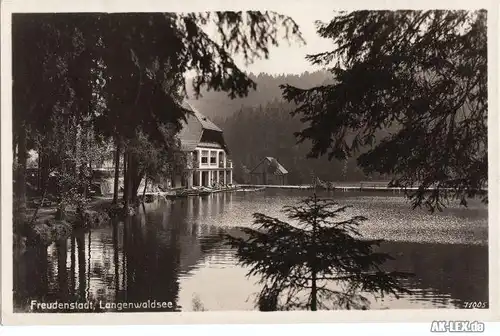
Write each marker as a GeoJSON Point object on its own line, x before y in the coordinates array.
{"type": "Point", "coordinates": [275, 186]}
{"type": "Point", "coordinates": [345, 187]}
{"type": "Point", "coordinates": [185, 192]}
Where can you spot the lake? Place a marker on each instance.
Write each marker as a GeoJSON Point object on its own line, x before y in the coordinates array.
{"type": "Point", "coordinates": [172, 252]}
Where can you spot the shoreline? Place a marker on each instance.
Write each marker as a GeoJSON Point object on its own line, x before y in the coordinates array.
{"type": "Point", "coordinates": [46, 228]}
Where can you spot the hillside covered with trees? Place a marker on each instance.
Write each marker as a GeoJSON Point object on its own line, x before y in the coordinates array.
{"type": "Point", "coordinates": [260, 125]}
{"type": "Point", "coordinates": [217, 104]}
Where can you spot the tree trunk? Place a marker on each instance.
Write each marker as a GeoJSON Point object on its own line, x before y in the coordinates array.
{"type": "Point", "coordinates": [134, 177]}
{"type": "Point", "coordinates": [135, 189]}
{"type": "Point", "coordinates": [44, 172]}
{"type": "Point", "coordinates": [314, 288]}
{"type": "Point", "coordinates": [44, 195]}
{"type": "Point", "coordinates": [137, 178]}
{"type": "Point", "coordinates": [145, 186]}
{"type": "Point", "coordinates": [130, 194]}
{"type": "Point", "coordinates": [91, 178]}
{"type": "Point", "coordinates": [39, 171]}
{"type": "Point", "coordinates": [131, 188]}
{"type": "Point", "coordinates": [82, 167]}
{"type": "Point", "coordinates": [314, 292]}
{"type": "Point", "coordinates": [14, 147]}
{"type": "Point", "coordinates": [125, 180]}
{"type": "Point", "coordinates": [117, 171]}
{"type": "Point", "coordinates": [61, 209]}
{"type": "Point", "coordinates": [22, 157]}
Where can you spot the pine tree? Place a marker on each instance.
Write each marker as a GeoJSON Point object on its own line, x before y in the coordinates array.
{"type": "Point", "coordinates": [419, 78]}
{"type": "Point", "coordinates": [321, 248]}
{"type": "Point", "coordinates": [124, 73]}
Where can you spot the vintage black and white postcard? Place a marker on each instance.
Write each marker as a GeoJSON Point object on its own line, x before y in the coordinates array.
{"type": "Point", "coordinates": [189, 162]}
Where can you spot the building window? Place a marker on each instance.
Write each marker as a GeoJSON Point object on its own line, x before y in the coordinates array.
{"type": "Point", "coordinates": [221, 159]}
{"type": "Point", "coordinates": [213, 157]}
{"type": "Point", "coordinates": [204, 157]}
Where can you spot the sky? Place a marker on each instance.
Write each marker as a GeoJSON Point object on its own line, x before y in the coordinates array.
{"type": "Point", "coordinates": [289, 58]}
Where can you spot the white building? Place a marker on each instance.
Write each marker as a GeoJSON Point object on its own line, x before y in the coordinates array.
{"type": "Point", "coordinates": [208, 157]}
{"type": "Point", "coordinates": [208, 161]}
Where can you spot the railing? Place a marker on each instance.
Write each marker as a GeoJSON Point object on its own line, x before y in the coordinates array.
{"type": "Point", "coordinates": [194, 164]}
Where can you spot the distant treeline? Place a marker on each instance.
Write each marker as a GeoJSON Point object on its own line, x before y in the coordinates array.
{"type": "Point", "coordinates": [260, 125]}
{"type": "Point", "coordinates": [253, 133]}
{"type": "Point", "coordinates": [216, 104]}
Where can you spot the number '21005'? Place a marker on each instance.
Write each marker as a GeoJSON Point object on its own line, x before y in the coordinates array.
{"type": "Point", "coordinates": [475, 305]}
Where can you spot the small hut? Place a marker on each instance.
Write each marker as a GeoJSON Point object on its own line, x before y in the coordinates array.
{"type": "Point", "coordinates": [269, 172]}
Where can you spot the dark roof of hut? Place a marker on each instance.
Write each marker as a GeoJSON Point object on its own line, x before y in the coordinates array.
{"type": "Point", "coordinates": [193, 129]}
{"type": "Point", "coordinates": [274, 165]}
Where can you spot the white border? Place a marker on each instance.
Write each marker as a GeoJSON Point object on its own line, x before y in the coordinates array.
{"type": "Point", "coordinates": [373, 329]}
{"type": "Point", "coordinates": [8, 7]}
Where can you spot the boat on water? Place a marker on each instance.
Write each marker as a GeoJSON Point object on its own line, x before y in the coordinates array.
{"type": "Point", "coordinates": [203, 191]}
{"type": "Point", "coordinates": [193, 192]}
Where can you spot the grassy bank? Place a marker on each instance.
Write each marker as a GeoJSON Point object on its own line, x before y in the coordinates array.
{"type": "Point", "coordinates": [47, 228]}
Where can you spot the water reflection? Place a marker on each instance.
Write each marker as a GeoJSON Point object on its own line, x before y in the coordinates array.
{"type": "Point", "coordinates": [172, 252]}
{"type": "Point", "coordinates": [445, 274]}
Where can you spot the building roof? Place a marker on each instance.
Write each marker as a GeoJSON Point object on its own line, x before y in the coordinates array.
{"type": "Point", "coordinates": [202, 119]}
{"type": "Point", "coordinates": [277, 168]}
{"type": "Point", "coordinates": [209, 145]}
{"type": "Point", "coordinates": [192, 130]}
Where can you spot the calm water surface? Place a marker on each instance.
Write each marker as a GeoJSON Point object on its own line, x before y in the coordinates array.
{"type": "Point", "coordinates": [172, 252]}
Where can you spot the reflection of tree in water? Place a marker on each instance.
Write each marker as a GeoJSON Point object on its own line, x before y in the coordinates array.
{"type": "Point", "coordinates": [143, 259]}
{"type": "Point", "coordinates": [195, 217]}
{"type": "Point", "coordinates": [138, 260]}
{"type": "Point", "coordinates": [116, 260]}
{"type": "Point", "coordinates": [30, 277]}
{"type": "Point", "coordinates": [72, 271]}
{"type": "Point", "coordinates": [43, 274]}
{"type": "Point", "coordinates": [82, 288]}
{"type": "Point", "coordinates": [151, 264]}
{"type": "Point", "coordinates": [73, 280]}
{"type": "Point", "coordinates": [172, 241]}
{"type": "Point", "coordinates": [62, 272]}
{"type": "Point", "coordinates": [443, 270]}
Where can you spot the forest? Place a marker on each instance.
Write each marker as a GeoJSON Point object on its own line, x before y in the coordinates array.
{"type": "Point", "coordinates": [261, 125]}
{"type": "Point", "coordinates": [83, 82]}
{"type": "Point", "coordinates": [403, 97]}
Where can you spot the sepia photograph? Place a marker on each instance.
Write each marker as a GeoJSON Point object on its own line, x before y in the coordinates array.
{"type": "Point", "coordinates": [308, 159]}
